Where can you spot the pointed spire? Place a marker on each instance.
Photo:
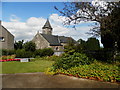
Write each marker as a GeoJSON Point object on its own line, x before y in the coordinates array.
{"type": "Point", "coordinates": [38, 31]}
{"type": "Point", "coordinates": [47, 25]}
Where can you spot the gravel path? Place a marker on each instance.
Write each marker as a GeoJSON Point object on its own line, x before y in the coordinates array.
{"type": "Point", "coordinates": [41, 80]}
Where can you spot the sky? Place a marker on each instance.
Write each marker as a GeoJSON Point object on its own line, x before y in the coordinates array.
{"type": "Point", "coordinates": [24, 19]}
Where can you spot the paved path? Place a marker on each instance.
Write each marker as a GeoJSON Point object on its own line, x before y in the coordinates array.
{"type": "Point", "coordinates": [41, 80]}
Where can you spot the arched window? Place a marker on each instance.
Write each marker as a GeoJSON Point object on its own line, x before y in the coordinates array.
{"type": "Point", "coordinates": [56, 48]}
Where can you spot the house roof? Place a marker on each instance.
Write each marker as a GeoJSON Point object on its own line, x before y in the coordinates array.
{"type": "Point", "coordinates": [56, 40]}
{"type": "Point", "coordinates": [63, 39]}
{"type": "Point", "coordinates": [3, 28]}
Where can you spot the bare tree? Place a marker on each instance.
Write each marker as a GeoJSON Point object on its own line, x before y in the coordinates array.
{"type": "Point", "coordinates": [98, 12]}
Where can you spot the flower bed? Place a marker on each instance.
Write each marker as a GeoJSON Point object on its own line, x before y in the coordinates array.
{"type": "Point", "coordinates": [95, 71]}
{"type": "Point", "coordinates": [9, 60]}
{"type": "Point", "coordinates": [7, 57]}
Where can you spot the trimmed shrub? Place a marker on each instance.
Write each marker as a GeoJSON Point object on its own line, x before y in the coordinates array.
{"type": "Point", "coordinates": [21, 53]}
{"type": "Point", "coordinates": [67, 61]}
{"type": "Point", "coordinates": [47, 52]}
{"type": "Point", "coordinates": [44, 52]}
{"type": "Point", "coordinates": [38, 52]}
{"type": "Point", "coordinates": [6, 52]}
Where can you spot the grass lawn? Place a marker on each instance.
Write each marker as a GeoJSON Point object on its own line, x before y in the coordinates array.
{"type": "Point", "coordinates": [25, 67]}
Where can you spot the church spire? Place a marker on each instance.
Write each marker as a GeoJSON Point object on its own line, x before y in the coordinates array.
{"type": "Point", "coordinates": [47, 25]}
{"type": "Point", "coordinates": [47, 29]}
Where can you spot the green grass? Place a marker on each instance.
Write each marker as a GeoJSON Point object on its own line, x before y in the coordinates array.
{"type": "Point", "coordinates": [25, 67]}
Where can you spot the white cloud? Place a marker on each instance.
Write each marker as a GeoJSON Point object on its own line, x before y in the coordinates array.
{"type": "Point", "coordinates": [27, 30]}
{"type": "Point", "coordinates": [14, 18]}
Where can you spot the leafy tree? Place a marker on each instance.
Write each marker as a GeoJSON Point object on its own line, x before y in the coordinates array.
{"type": "Point", "coordinates": [18, 44]}
{"type": "Point", "coordinates": [103, 16]}
{"type": "Point", "coordinates": [30, 46]}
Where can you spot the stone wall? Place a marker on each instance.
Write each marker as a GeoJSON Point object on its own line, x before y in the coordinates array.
{"type": "Point", "coordinates": [57, 48]}
{"type": "Point", "coordinates": [8, 42]}
{"type": "Point", "coordinates": [40, 41]}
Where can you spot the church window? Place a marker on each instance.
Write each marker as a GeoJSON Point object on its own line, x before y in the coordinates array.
{"type": "Point", "coordinates": [2, 39]}
{"type": "Point", "coordinates": [56, 48]}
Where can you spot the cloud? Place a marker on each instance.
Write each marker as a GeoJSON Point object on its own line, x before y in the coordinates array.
{"type": "Point", "coordinates": [14, 18]}
{"type": "Point", "coordinates": [27, 30]}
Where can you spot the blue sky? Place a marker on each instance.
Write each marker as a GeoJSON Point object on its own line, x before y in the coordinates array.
{"type": "Point", "coordinates": [29, 17]}
{"type": "Point", "coordinates": [26, 10]}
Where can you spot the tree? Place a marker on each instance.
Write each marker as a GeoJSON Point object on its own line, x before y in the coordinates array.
{"type": "Point", "coordinates": [82, 43]}
{"type": "Point", "coordinates": [92, 44]}
{"type": "Point", "coordinates": [29, 46]}
{"type": "Point", "coordinates": [18, 45]}
{"type": "Point", "coordinates": [101, 14]}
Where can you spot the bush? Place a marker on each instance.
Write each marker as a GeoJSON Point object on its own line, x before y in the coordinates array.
{"type": "Point", "coordinates": [97, 70]}
{"type": "Point", "coordinates": [105, 55]}
{"type": "Point", "coordinates": [29, 46]}
{"type": "Point", "coordinates": [44, 52]}
{"type": "Point", "coordinates": [6, 52]}
{"type": "Point", "coordinates": [38, 52]}
{"type": "Point", "coordinates": [21, 53]}
{"type": "Point", "coordinates": [67, 61]}
{"type": "Point", "coordinates": [47, 52]}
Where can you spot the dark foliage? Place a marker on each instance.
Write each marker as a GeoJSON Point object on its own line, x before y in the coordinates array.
{"type": "Point", "coordinates": [21, 53]}
{"type": "Point", "coordinates": [19, 44]}
{"type": "Point", "coordinates": [92, 44]}
{"type": "Point", "coordinates": [67, 61]}
{"type": "Point", "coordinates": [44, 52]}
{"type": "Point", "coordinates": [29, 46]}
{"type": "Point", "coordinates": [104, 55]}
{"type": "Point", "coordinates": [5, 52]}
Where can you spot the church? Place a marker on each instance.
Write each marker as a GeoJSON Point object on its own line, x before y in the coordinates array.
{"type": "Point", "coordinates": [47, 40]}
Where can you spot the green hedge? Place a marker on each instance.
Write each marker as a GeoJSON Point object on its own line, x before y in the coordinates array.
{"type": "Point", "coordinates": [21, 53]}
{"type": "Point", "coordinates": [5, 52]}
{"type": "Point", "coordinates": [44, 52]}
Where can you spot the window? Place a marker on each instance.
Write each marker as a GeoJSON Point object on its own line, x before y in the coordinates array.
{"type": "Point", "coordinates": [2, 39]}
{"type": "Point", "coordinates": [56, 48]}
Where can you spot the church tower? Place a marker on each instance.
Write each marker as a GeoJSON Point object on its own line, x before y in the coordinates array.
{"type": "Point", "coordinates": [47, 29]}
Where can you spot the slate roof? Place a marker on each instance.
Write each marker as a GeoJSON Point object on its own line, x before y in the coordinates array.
{"type": "Point", "coordinates": [63, 39]}
{"type": "Point", "coordinates": [52, 39]}
{"type": "Point", "coordinates": [56, 40]}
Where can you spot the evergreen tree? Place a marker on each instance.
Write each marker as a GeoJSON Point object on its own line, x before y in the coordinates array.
{"type": "Point", "coordinates": [92, 44]}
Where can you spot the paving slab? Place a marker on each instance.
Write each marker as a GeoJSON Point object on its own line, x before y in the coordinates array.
{"type": "Point", "coordinates": [41, 80]}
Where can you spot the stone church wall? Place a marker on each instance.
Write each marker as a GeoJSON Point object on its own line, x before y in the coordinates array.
{"type": "Point", "coordinates": [57, 48]}
{"type": "Point", "coordinates": [40, 42]}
